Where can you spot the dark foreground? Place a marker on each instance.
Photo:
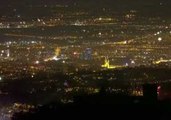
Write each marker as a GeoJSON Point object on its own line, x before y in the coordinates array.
{"type": "Point", "coordinates": [102, 106]}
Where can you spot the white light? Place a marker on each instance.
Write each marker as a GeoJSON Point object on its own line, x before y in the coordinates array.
{"type": "Point", "coordinates": [100, 18]}
{"type": "Point", "coordinates": [132, 62]}
{"type": "Point", "coordinates": [159, 39]}
{"type": "Point", "coordinates": [125, 42]}
{"type": "Point", "coordinates": [38, 20]}
{"type": "Point", "coordinates": [103, 43]}
{"type": "Point", "coordinates": [37, 62]}
{"type": "Point", "coordinates": [9, 42]}
{"type": "Point", "coordinates": [0, 78]}
{"type": "Point", "coordinates": [55, 58]}
{"type": "Point", "coordinates": [33, 42]}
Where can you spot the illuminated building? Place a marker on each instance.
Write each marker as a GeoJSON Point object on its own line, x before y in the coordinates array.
{"type": "Point", "coordinates": [5, 53]}
{"type": "Point", "coordinates": [78, 23]}
{"type": "Point", "coordinates": [56, 57]}
{"type": "Point", "coordinates": [108, 66]}
{"type": "Point", "coordinates": [88, 54]}
{"type": "Point", "coordinates": [57, 51]}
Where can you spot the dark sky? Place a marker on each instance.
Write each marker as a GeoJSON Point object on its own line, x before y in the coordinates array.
{"type": "Point", "coordinates": [141, 4]}
{"type": "Point", "coordinates": [163, 7]}
{"type": "Point", "coordinates": [128, 2]}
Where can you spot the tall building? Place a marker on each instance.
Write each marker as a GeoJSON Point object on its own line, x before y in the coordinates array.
{"type": "Point", "coordinates": [88, 54]}
{"type": "Point", "coordinates": [57, 51]}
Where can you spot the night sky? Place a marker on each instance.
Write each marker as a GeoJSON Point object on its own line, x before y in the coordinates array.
{"type": "Point", "coordinates": [119, 3]}
{"type": "Point", "coordinates": [141, 4]}
{"type": "Point", "coordinates": [162, 7]}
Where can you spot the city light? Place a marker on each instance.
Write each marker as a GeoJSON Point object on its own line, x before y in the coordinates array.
{"type": "Point", "coordinates": [60, 50]}
{"type": "Point", "coordinates": [159, 39]}
{"type": "Point", "coordinates": [108, 66]}
{"type": "Point", "coordinates": [37, 62]}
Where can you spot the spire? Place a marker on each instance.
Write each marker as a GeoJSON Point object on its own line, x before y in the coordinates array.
{"type": "Point", "coordinates": [107, 64]}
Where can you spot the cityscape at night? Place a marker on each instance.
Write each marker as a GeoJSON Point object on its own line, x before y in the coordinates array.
{"type": "Point", "coordinates": [55, 51]}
